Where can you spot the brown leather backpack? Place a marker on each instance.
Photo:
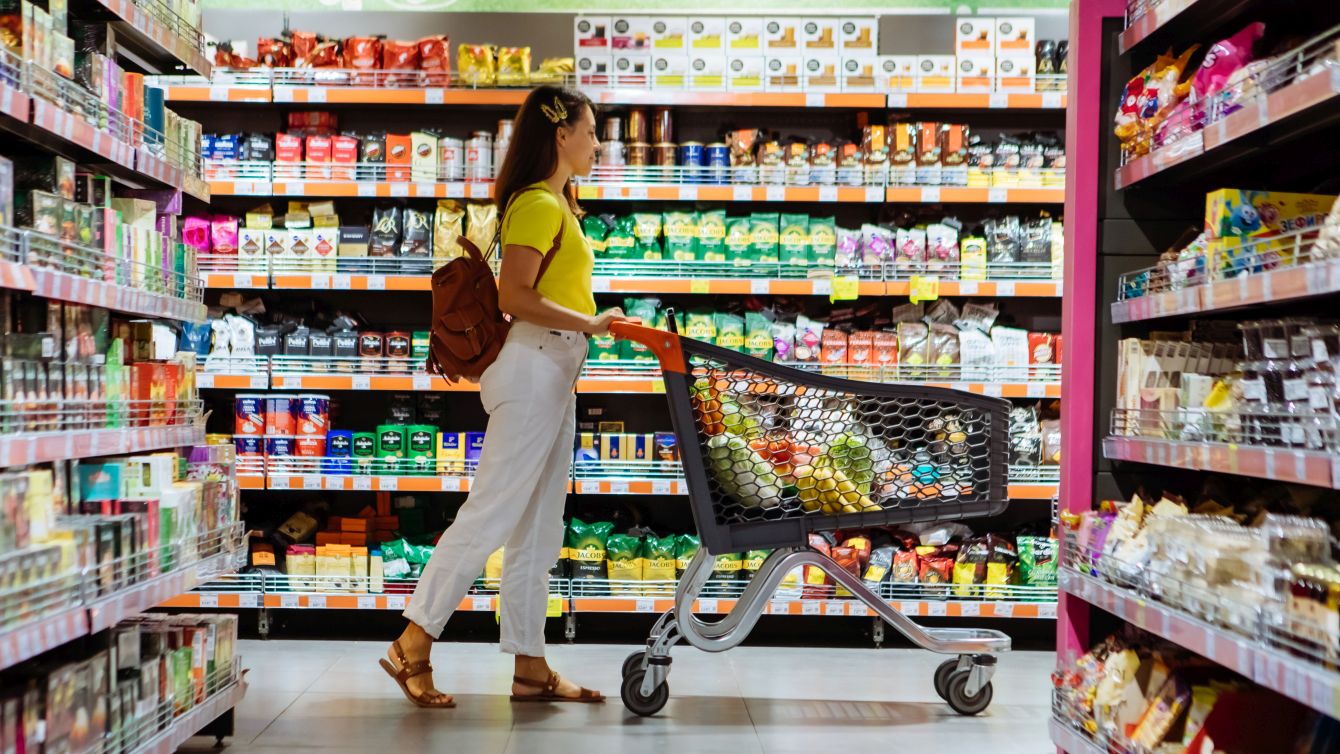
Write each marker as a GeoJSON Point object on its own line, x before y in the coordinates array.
{"type": "Point", "coordinates": [468, 327]}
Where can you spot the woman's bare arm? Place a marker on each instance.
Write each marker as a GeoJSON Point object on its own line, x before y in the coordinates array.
{"type": "Point", "coordinates": [517, 295]}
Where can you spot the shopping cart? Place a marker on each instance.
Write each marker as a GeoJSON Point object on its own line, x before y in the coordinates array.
{"type": "Point", "coordinates": [772, 454]}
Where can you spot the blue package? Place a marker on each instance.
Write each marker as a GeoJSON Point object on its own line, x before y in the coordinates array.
{"type": "Point", "coordinates": [196, 338]}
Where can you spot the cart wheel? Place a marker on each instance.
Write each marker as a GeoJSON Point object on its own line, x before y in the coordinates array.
{"type": "Point", "coordinates": [646, 706]}
{"type": "Point", "coordinates": [634, 662]}
{"type": "Point", "coordinates": [942, 674]}
{"type": "Point", "coordinates": [957, 695]}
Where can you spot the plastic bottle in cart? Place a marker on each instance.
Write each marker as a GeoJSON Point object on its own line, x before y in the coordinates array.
{"type": "Point", "coordinates": [479, 157]}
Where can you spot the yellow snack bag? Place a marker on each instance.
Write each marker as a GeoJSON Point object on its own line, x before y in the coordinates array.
{"type": "Point", "coordinates": [513, 66]}
{"type": "Point", "coordinates": [477, 65]}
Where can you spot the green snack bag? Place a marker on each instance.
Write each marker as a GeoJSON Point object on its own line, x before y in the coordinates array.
{"type": "Point", "coordinates": [620, 242]}
{"type": "Point", "coordinates": [604, 348]}
{"type": "Point", "coordinates": [701, 326]}
{"type": "Point", "coordinates": [1037, 561]}
{"type": "Point", "coordinates": [757, 335]}
{"type": "Point", "coordinates": [645, 309]}
{"type": "Point", "coordinates": [586, 549]}
{"type": "Point", "coordinates": [658, 567]}
{"type": "Point", "coordinates": [681, 235]}
{"type": "Point", "coordinates": [753, 561]}
{"type": "Point", "coordinates": [711, 242]}
{"type": "Point", "coordinates": [794, 239]}
{"type": "Point", "coordinates": [686, 546]}
{"type": "Point", "coordinates": [730, 331]}
{"type": "Point", "coordinates": [596, 229]}
{"type": "Point", "coordinates": [823, 241]}
{"type": "Point", "coordinates": [392, 444]}
{"type": "Point", "coordinates": [739, 242]}
{"type": "Point", "coordinates": [624, 559]}
{"type": "Point", "coordinates": [647, 231]}
{"type": "Point", "coordinates": [763, 236]}
{"type": "Point", "coordinates": [728, 567]}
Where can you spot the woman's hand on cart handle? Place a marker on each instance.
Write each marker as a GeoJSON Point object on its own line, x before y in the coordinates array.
{"type": "Point", "coordinates": [600, 324]}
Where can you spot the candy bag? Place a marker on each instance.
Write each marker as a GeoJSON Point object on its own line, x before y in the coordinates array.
{"type": "Point", "coordinates": [809, 338]}
{"type": "Point", "coordinates": [911, 249]}
{"type": "Point", "coordinates": [847, 253]}
{"type": "Point", "coordinates": [877, 246]}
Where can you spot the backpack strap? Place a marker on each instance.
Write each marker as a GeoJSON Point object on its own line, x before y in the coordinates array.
{"type": "Point", "coordinates": [546, 258]}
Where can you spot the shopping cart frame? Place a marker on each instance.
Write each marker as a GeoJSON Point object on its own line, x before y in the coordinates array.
{"type": "Point", "coordinates": [964, 682]}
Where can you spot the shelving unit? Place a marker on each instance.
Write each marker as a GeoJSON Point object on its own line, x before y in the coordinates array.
{"type": "Point", "coordinates": [1120, 218]}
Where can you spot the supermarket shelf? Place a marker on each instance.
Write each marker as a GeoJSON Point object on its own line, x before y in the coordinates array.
{"type": "Point", "coordinates": [1183, 19]}
{"type": "Point", "coordinates": [81, 290]}
{"type": "Point", "coordinates": [916, 608]}
{"type": "Point", "coordinates": [1275, 669]}
{"type": "Point", "coordinates": [1071, 741]}
{"type": "Point", "coordinates": [232, 381]}
{"type": "Point", "coordinates": [35, 637]}
{"type": "Point", "coordinates": [377, 483]}
{"type": "Point", "coordinates": [60, 122]}
{"type": "Point", "coordinates": [1319, 89]}
{"type": "Point", "coordinates": [14, 103]}
{"type": "Point", "coordinates": [1316, 468]}
{"type": "Point", "coordinates": [26, 448]}
{"type": "Point", "coordinates": [167, 42]}
{"type": "Point", "coordinates": [186, 725]}
{"type": "Point", "coordinates": [112, 609]}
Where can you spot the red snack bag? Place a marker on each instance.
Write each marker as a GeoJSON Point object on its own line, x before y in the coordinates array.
{"type": "Point", "coordinates": [288, 148]}
{"type": "Point", "coordinates": [885, 349]}
{"type": "Point", "coordinates": [862, 545]}
{"type": "Point", "coordinates": [399, 55]}
{"type": "Point", "coordinates": [906, 569]}
{"type": "Point", "coordinates": [304, 44]}
{"type": "Point", "coordinates": [1058, 349]}
{"type": "Point", "coordinates": [937, 570]}
{"type": "Point", "coordinates": [326, 55]}
{"type": "Point", "coordinates": [1041, 350]}
{"type": "Point", "coordinates": [833, 349]}
{"type": "Point", "coordinates": [815, 581]}
{"type": "Point", "coordinates": [362, 52]}
{"type": "Point", "coordinates": [861, 348]}
{"type": "Point", "coordinates": [435, 58]}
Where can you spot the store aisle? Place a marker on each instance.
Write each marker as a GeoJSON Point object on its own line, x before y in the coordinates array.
{"type": "Point", "coordinates": [332, 696]}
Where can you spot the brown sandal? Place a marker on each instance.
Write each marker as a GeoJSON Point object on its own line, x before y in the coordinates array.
{"type": "Point", "coordinates": [549, 692]}
{"type": "Point", "coordinates": [410, 670]}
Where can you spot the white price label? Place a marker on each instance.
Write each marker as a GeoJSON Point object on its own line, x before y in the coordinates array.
{"type": "Point", "coordinates": [209, 600]}
{"type": "Point", "coordinates": [218, 94]}
{"type": "Point", "coordinates": [321, 282]}
{"type": "Point", "coordinates": [600, 285]}
{"type": "Point", "coordinates": [645, 606]}
{"type": "Point", "coordinates": [376, 282]}
{"type": "Point", "coordinates": [1004, 609]}
{"type": "Point", "coordinates": [248, 600]}
{"type": "Point", "coordinates": [810, 607]}
{"type": "Point", "coordinates": [969, 609]}
{"type": "Point", "coordinates": [688, 193]}
{"type": "Point", "coordinates": [422, 382]}
{"type": "Point", "coordinates": [295, 188]}
{"type": "Point", "coordinates": [661, 487]}
{"type": "Point", "coordinates": [815, 99]}
{"type": "Point", "coordinates": [588, 488]}
{"type": "Point", "coordinates": [480, 190]}
{"type": "Point", "coordinates": [834, 607]}
{"type": "Point", "coordinates": [362, 483]}
{"type": "Point", "coordinates": [997, 195]}
{"type": "Point", "coordinates": [1047, 610]}
{"type": "Point", "coordinates": [828, 193]}
{"type": "Point", "coordinates": [244, 281]}
{"type": "Point", "coordinates": [937, 609]}
{"type": "Point", "coordinates": [203, 381]}
{"type": "Point", "coordinates": [779, 607]}
{"type": "Point", "coordinates": [993, 389]}
{"type": "Point", "coordinates": [823, 286]}
{"type": "Point", "coordinates": [317, 601]}
{"type": "Point", "coordinates": [1051, 100]}
{"type": "Point", "coordinates": [481, 604]}
{"type": "Point", "coordinates": [367, 189]}
{"type": "Point", "coordinates": [451, 484]}
{"type": "Point", "coordinates": [455, 190]}
{"type": "Point", "coordinates": [388, 483]}
{"type": "Point", "coordinates": [742, 193]}
{"type": "Point", "coordinates": [425, 190]}
{"type": "Point", "coordinates": [288, 600]}
{"type": "Point", "coordinates": [618, 488]}
{"type": "Point", "coordinates": [311, 482]}
{"type": "Point", "coordinates": [998, 100]}
{"type": "Point", "coordinates": [967, 288]}
{"type": "Point", "coordinates": [341, 282]}
{"type": "Point", "coordinates": [316, 94]}
{"type": "Point", "coordinates": [395, 602]}
{"type": "Point", "coordinates": [930, 194]}
{"type": "Point", "coordinates": [898, 100]}
{"type": "Point", "coordinates": [1035, 390]}
{"type": "Point", "coordinates": [367, 602]}
{"type": "Point", "coordinates": [858, 609]}
{"type": "Point", "coordinates": [399, 189]}
{"type": "Point", "coordinates": [775, 193]}
{"type": "Point", "coordinates": [759, 287]}
{"type": "Point", "coordinates": [283, 94]}
{"type": "Point", "coordinates": [278, 483]}
{"type": "Point", "coordinates": [708, 606]}
{"type": "Point", "coordinates": [875, 195]}
{"type": "Point", "coordinates": [1005, 288]}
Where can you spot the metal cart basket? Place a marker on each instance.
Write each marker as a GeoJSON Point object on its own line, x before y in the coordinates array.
{"type": "Point", "coordinates": [772, 454]}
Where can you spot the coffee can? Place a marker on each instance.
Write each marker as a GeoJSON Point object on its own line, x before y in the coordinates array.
{"type": "Point", "coordinates": [663, 125]}
{"type": "Point", "coordinates": [479, 157]}
{"type": "Point", "coordinates": [666, 155]}
{"type": "Point", "coordinates": [638, 131]}
{"type": "Point", "coordinates": [639, 154]}
{"type": "Point", "coordinates": [613, 153]}
{"type": "Point", "coordinates": [613, 129]}
{"type": "Point", "coordinates": [451, 159]}
{"type": "Point", "coordinates": [716, 157]}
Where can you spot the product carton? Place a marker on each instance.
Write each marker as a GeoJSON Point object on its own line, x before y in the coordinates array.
{"type": "Point", "coordinates": [423, 158]}
{"type": "Point", "coordinates": [399, 157]}
{"type": "Point", "coordinates": [707, 34]}
{"type": "Point", "coordinates": [973, 73]}
{"type": "Point", "coordinates": [744, 35]}
{"type": "Point", "coordinates": [1015, 35]}
{"type": "Point", "coordinates": [935, 73]}
{"type": "Point", "coordinates": [593, 69]}
{"type": "Point", "coordinates": [632, 68]}
{"type": "Point", "coordinates": [631, 33]}
{"type": "Point", "coordinates": [783, 72]}
{"type": "Point", "coordinates": [820, 34]}
{"type": "Point", "coordinates": [744, 73]}
{"type": "Point", "coordinates": [591, 34]}
{"type": "Point", "coordinates": [858, 73]}
{"type": "Point", "coordinates": [1237, 221]}
{"type": "Point", "coordinates": [1015, 73]}
{"type": "Point", "coordinates": [781, 34]}
{"type": "Point", "coordinates": [975, 35]}
{"type": "Point", "coordinates": [670, 33]}
{"type": "Point", "coordinates": [896, 73]}
{"type": "Point", "coordinates": [820, 72]}
{"type": "Point", "coordinates": [707, 71]}
{"type": "Point", "coordinates": [860, 33]}
{"type": "Point", "coordinates": [669, 70]}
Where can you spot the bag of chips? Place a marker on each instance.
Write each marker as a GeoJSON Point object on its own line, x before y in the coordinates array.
{"type": "Point", "coordinates": [448, 226]}
{"type": "Point", "coordinates": [481, 225]}
{"type": "Point", "coordinates": [794, 240]}
{"type": "Point", "coordinates": [711, 246]}
{"type": "Point", "coordinates": [513, 66]}
{"type": "Point", "coordinates": [880, 568]}
{"type": "Point", "coordinates": [763, 237]}
{"type": "Point", "coordinates": [647, 230]}
{"type": "Point", "coordinates": [476, 65]}
{"type": "Point", "coordinates": [758, 340]}
{"type": "Point", "coordinates": [730, 331]}
{"type": "Point", "coordinates": [906, 568]}
{"type": "Point", "coordinates": [681, 236]}
{"type": "Point", "coordinates": [1037, 561]}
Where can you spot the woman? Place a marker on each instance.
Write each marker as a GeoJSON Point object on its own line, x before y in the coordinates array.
{"type": "Point", "coordinates": [519, 489]}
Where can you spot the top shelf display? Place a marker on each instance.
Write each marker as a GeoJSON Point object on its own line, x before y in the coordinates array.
{"type": "Point", "coordinates": [1172, 20]}
{"type": "Point", "coordinates": [166, 34]}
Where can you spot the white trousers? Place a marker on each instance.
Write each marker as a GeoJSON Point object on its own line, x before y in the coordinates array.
{"type": "Point", "coordinates": [517, 497]}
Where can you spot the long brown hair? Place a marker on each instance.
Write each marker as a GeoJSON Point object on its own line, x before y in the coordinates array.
{"type": "Point", "coordinates": [533, 153]}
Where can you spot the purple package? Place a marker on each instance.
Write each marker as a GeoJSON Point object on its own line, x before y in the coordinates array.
{"type": "Point", "coordinates": [1093, 535]}
{"type": "Point", "coordinates": [195, 233]}
{"type": "Point", "coordinates": [876, 247]}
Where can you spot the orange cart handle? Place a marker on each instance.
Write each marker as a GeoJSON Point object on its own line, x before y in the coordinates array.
{"type": "Point", "coordinates": [664, 344]}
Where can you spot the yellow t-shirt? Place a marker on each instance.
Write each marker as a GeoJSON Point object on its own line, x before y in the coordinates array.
{"type": "Point", "coordinates": [533, 219]}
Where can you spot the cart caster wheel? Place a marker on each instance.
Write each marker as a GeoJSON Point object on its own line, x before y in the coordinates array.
{"type": "Point", "coordinates": [957, 696]}
{"type": "Point", "coordinates": [942, 674]}
{"type": "Point", "coordinates": [634, 662]}
{"type": "Point", "coordinates": [645, 706]}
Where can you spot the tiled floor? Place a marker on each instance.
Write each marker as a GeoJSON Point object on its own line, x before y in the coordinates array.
{"type": "Point", "coordinates": [332, 696]}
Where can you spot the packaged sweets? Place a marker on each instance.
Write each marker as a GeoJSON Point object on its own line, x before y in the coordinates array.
{"type": "Point", "coordinates": [880, 567]}
{"type": "Point", "coordinates": [625, 563]}
{"type": "Point", "coordinates": [942, 251]}
{"type": "Point", "coordinates": [481, 224]}
{"type": "Point", "coordinates": [621, 242]}
{"type": "Point", "coordinates": [784, 341]}
{"type": "Point", "coordinates": [823, 242]}
{"type": "Point", "coordinates": [809, 339]}
{"type": "Point", "coordinates": [906, 568]}
{"type": "Point", "coordinates": [944, 349]}
{"type": "Point", "coordinates": [885, 353]}
{"type": "Point", "coordinates": [476, 65]}
{"type": "Point", "coordinates": [758, 340]}
{"type": "Point", "coordinates": [833, 351]}
{"type": "Point", "coordinates": [913, 340]}
{"type": "Point", "coordinates": [877, 246]}
{"type": "Point", "coordinates": [1051, 442]}
{"type": "Point", "coordinates": [711, 237]}
{"type": "Point", "coordinates": [513, 66]}
{"type": "Point", "coordinates": [647, 231]}
{"type": "Point", "coordinates": [686, 546]}
{"type": "Point", "coordinates": [763, 237]}
{"type": "Point", "coordinates": [911, 249]}
{"type": "Point", "coordinates": [847, 253]}
{"type": "Point", "coordinates": [681, 233]}
{"type": "Point", "coordinates": [730, 331]}
{"type": "Point", "coordinates": [595, 228]}
{"type": "Point", "coordinates": [739, 241]}
{"type": "Point", "coordinates": [861, 348]}
{"type": "Point", "coordinates": [448, 227]}
{"type": "Point", "coordinates": [794, 239]}
{"type": "Point", "coordinates": [586, 549]}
